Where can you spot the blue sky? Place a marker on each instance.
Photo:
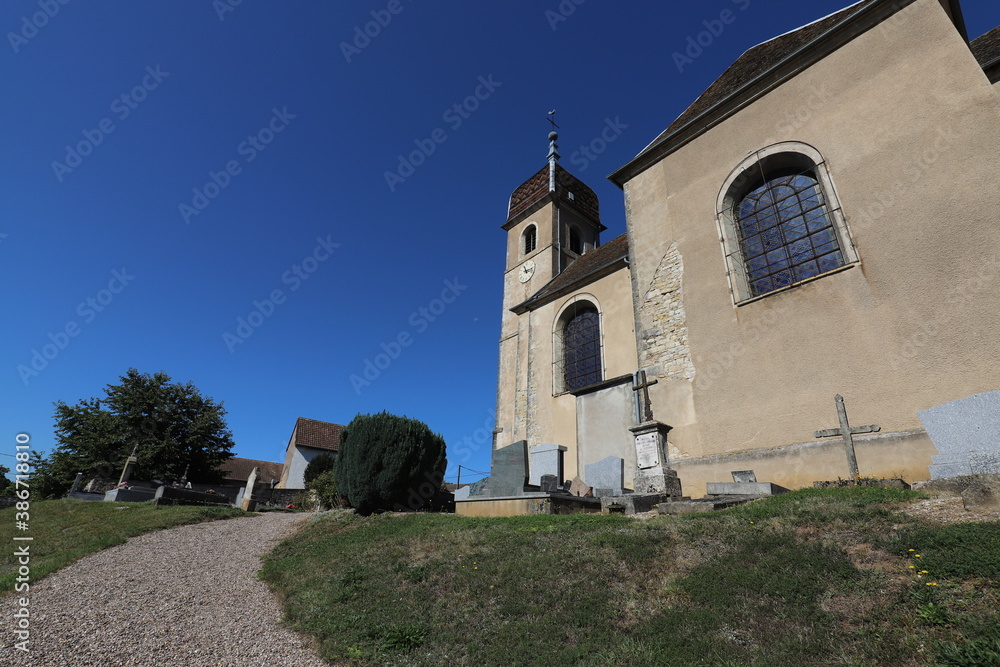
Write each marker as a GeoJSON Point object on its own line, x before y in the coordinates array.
{"type": "Point", "coordinates": [200, 187]}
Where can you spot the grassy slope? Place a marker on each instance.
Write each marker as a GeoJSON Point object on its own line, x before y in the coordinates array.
{"type": "Point", "coordinates": [66, 530]}
{"type": "Point", "coordinates": [810, 577]}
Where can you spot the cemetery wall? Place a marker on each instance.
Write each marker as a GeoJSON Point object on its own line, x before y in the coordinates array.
{"type": "Point", "coordinates": [904, 455]}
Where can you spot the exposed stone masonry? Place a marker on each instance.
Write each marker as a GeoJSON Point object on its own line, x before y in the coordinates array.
{"type": "Point", "coordinates": [664, 344]}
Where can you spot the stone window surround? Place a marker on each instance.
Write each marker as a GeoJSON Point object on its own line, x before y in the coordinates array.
{"type": "Point", "coordinates": [530, 229]}
{"type": "Point", "coordinates": [776, 156]}
{"type": "Point", "coordinates": [558, 325]}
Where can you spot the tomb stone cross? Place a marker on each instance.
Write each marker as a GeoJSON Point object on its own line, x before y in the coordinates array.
{"type": "Point", "coordinates": [847, 432]}
{"type": "Point", "coordinates": [129, 464]}
{"type": "Point", "coordinates": [645, 407]}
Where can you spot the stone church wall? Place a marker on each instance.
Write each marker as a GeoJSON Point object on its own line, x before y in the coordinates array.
{"type": "Point", "coordinates": [906, 124]}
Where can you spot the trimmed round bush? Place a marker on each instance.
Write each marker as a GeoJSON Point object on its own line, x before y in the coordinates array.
{"type": "Point", "coordinates": [387, 462]}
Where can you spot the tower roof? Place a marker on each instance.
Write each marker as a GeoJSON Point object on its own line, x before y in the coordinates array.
{"type": "Point", "coordinates": [568, 189]}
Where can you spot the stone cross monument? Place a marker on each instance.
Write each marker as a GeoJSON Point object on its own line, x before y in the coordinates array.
{"type": "Point", "coordinates": [248, 504]}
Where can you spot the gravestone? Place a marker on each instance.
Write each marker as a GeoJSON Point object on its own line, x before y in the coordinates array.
{"type": "Point", "coordinates": [545, 460]}
{"type": "Point", "coordinates": [248, 504]}
{"type": "Point", "coordinates": [509, 470]}
{"type": "Point", "coordinates": [966, 434]}
{"type": "Point", "coordinates": [846, 432]}
{"type": "Point", "coordinates": [744, 477]}
{"type": "Point", "coordinates": [653, 474]}
{"type": "Point", "coordinates": [463, 493]}
{"type": "Point", "coordinates": [480, 488]}
{"type": "Point", "coordinates": [549, 484]}
{"type": "Point", "coordinates": [579, 488]}
{"type": "Point", "coordinates": [606, 477]}
{"type": "Point", "coordinates": [129, 465]}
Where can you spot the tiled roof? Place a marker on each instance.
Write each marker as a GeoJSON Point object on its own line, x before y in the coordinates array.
{"type": "Point", "coordinates": [240, 469]}
{"type": "Point", "coordinates": [583, 268]}
{"type": "Point", "coordinates": [317, 434]}
{"type": "Point", "coordinates": [568, 189]}
{"type": "Point", "coordinates": [759, 60]}
{"type": "Point", "coordinates": [758, 69]}
{"type": "Point", "coordinates": [986, 48]}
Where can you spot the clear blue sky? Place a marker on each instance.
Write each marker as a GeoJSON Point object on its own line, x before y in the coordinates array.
{"type": "Point", "coordinates": [103, 265]}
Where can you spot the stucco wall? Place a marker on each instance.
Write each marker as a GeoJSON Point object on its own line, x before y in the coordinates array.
{"type": "Point", "coordinates": [301, 456]}
{"type": "Point", "coordinates": [552, 415]}
{"type": "Point", "coordinates": [907, 126]}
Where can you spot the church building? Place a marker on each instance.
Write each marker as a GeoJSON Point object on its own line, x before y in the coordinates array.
{"type": "Point", "coordinates": [823, 220]}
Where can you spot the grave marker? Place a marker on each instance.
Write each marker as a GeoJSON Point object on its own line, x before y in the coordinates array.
{"type": "Point", "coordinates": [847, 432]}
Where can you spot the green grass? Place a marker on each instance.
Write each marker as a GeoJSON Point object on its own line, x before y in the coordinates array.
{"type": "Point", "coordinates": [66, 530]}
{"type": "Point", "coordinates": [809, 577]}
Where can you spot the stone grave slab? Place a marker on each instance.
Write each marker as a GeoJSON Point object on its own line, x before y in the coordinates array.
{"type": "Point", "coordinates": [743, 489]}
{"type": "Point", "coordinates": [463, 493]}
{"type": "Point", "coordinates": [545, 460]}
{"type": "Point", "coordinates": [744, 476]}
{"type": "Point", "coordinates": [579, 488]}
{"type": "Point", "coordinates": [608, 475]}
{"type": "Point", "coordinates": [549, 484]}
{"type": "Point", "coordinates": [480, 487]}
{"type": "Point", "coordinates": [509, 470]}
{"type": "Point", "coordinates": [966, 434]}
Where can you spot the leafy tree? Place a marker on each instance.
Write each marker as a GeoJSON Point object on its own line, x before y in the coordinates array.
{"type": "Point", "coordinates": [171, 426]}
{"type": "Point", "coordinates": [319, 477]}
{"type": "Point", "coordinates": [389, 462]}
{"type": "Point", "coordinates": [319, 465]}
{"type": "Point", "coordinates": [6, 486]}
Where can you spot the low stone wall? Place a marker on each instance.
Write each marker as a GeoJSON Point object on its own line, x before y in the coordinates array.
{"type": "Point", "coordinates": [167, 495]}
{"type": "Point", "coordinates": [277, 497]}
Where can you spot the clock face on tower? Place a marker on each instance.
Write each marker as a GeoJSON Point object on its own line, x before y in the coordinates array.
{"type": "Point", "coordinates": [527, 270]}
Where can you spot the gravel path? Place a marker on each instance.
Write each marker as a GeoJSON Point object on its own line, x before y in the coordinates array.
{"type": "Point", "coordinates": [186, 596]}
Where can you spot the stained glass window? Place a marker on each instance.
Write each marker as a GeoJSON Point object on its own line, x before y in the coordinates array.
{"type": "Point", "coordinates": [582, 349]}
{"type": "Point", "coordinates": [785, 233]}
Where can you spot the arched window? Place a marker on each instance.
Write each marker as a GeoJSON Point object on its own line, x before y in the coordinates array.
{"type": "Point", "coordinates": [785, 233]}
{"type": "Point", "coordinates": [781, 221]}
{"type": "Point", "coordinates": [575, 242]}
{"type": "Point", "coordinates": [529, 240]}
{"type": "Point", "coordinates": [582, 348]}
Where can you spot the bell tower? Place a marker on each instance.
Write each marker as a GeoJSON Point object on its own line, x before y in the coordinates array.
{"type": "Point", "coordinates": [552, 219]}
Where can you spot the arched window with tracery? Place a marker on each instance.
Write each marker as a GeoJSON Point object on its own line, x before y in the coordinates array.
{"type": "Point", "coordinates": [781, 221]}
{"type": "Point", "coordinates": [785, 233]}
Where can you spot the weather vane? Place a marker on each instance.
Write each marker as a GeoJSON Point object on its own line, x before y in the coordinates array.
{"type": "Point", "coordinates": [552, 119]}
